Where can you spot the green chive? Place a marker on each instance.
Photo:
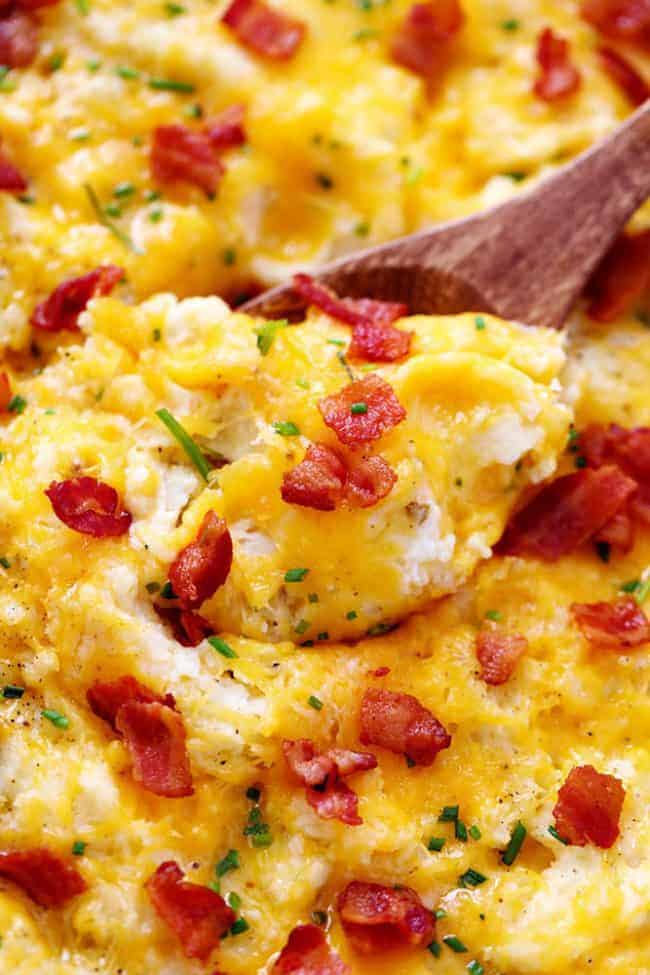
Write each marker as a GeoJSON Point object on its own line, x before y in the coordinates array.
{"type": "Point", "coordinates": [56, 61]}
{"type": "Point", "coordinates": [228, 863]}
{"type": "Point", "coordinates": [129, 74]}
{"type": "Point", "coordinates": [323, 636]}
{"type": "Point", "coordinates": [113, 209]}
{"type": "Point", "coordinates": [517, 838]}
{"type": "Point", "coordinates": [229, 256]}
{"type": "Point", "coordinates": [93, 65]}
{"type": "Point", "coordinates": [315, 702]}
{"type": "Point", "coordinates": [362, 229]}
{"type": "Point", "coordinates": [239, 926]}
{"type": "Point", "coordinates": [471, 878]}
{"type": "Point", "coordinates": [4, 562]}
{"type": "Point", "coordinates": [313, 597]}
{"type": "Point", "coordinates": [104, 220]}
{"type": "Point", "coordinates": [302, 383]}
{"type": "Point", "coordinates": [480, 323]}
{"type": "Point", "coordinates": [510, 25]}
{"type": "Point", "coordinates": [435, 844]}
{"type": "Point", "coordinates": [167, 591]}
{"type": "Point", "coordinates": [12, 692]}
{"type": "Point", "coordinates": [286, 428]}
{"type": "Point", "coordinates": [234, 900]}
{"type": "Point", "coordinates": [156, 335]}
{"type": "Point", "coordinates": [58, 720]}
{"type": "Point", "coordinates": [580, 462]}
{"type": "Point", "coordinates": [262, 838]}
{"type": "Point", "coordinates": [351, 615]}
{"type": "Point", "coordinates": [556, 836]}
{"type": "Point", "coordinates": [155, 216]}
{"type": "Point", "coordinates": [440, 914]}
{"type": "Point", "coordinates": [642, 592]}
{"type": "Point", "coordinates": [222, 647]}
{"type": "Point", "coordinates": [319, 918]}
{"type": "Point", "coordinates": [151, 195]}
{"type": "Point", "coordinates": [493, 614]}
{"type": "Point", "coordinates": [301, 627]}
{"type": "Point", "coordinates": [196, 111]}
{"type": "Point", "coordinates": [358, 409]}
{"type": "Point", "coordinates": [516, 176]}
{"type": "Point", "coordinates": [295, 575]}
{"type": "Point", "coordinates": [336, 342]}
{"type": "Point", "coordinates": [124, 189]}
{"type": "Point", "coordinates": [475, 968]}
{"type": "Point", "coordinates": [460, 830]}
{"type": "Point", "coordinates": [435, 949]}
{"type": "Point", "coordinates": [454, 943]}
{"type": "Point", "coordinates": [167, 84]}
{"type": "Point", "coordinates": [253, 793]}
{"type": "Point", "coordinates": [152, 587]}
{"type": "Point", "coordinates": [266, 333]}
{"type": "Point", "coordinates": [78, 848]}
{"type": "Point", "coordinates": [449, 814]}
{"type": "Point", "coordinates": [17, 404]}
{"type": "Point", "coordinates": [630, 586]}
{"type": "Point", "coordinates": [175, 9]}
{"type": "Point", "coordinates": [83, 6]}
{"type": "Point", "coordinates": [189, 446]}
{"type": "Point", "coordinates": [475, 832]}
{"type": "Point", "coordinates": [27, 199]}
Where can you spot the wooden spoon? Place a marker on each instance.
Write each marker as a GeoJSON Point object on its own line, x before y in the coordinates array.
{"type": "Point", "coordinates": [528, 259]}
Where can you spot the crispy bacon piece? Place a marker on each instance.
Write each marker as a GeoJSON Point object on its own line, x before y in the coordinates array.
{"type": "Point", "coordinates": [588, 807]}
{"type": "Point", "coordinates": [154, 735]}
{"type": "Point", "coordinates": [629, 450]}
{"type": "Point", "coordinates": [373, 336]}
{"type": "Point", "coordinates": [61, 310]}
{"type": "Point", "coordinates": [624, 75]}
{"type": "Point", "coordinates": [423, 38]}
{"type": "Point", "coordinates": [264, 29]}
{"type": "Point", "coordinates": [107, 697]}
{"type": "Point", "coordinates": [48, 879]}
{"type": "Point", "coordinates": [621, 278]}
{"type": "Point", "coordinates": [322, 772]}
{"type": "Point", "coordinates": [383, 410]}
{"type": "Point", "coordinates": [203, 566]}
{"type": "Point", "coordinates": [227, 130]}
{"type": "Point", "coordinates": [308, 953]}
{"type": "Point", "coordinates": [558, 77]}
{"type": "Point", "coordinates": [189, 628]}
{"type": "Point", "coordinates": [197, 915]}
{"type": "Point", "coordinates": [18, 40]}
{"type": "Point", "coordinates": [36, 4]}
{"type": "Point", "coordinates": [324, 480]}
{"type": "Point", "coordinates": [178, 154]}
{"type": "Point", "coordinates": [11, 179]}
{"type": "Point", "coordinates": [566, 513]}
{"type": "Point", "coordinates": [401, 724]}
{"type": "Point", "coordinates": [623, 20]}
{"type": "Point", "coordinates": [377, 918]}
{"type": "Point", "coordinates": [498, 653]}
{"type": "Point", "coordinates": [89, 506]}
{"type": "Point", "coordinates": [5, 392]}
{"type": "Point", "coordinates": [621, 625]}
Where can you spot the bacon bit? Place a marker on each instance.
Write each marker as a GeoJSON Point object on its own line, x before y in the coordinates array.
{"type": "Point", "coordinates": [566, 513]}
{"type": "Point", "coordinates": [203, 566]}
{"type": "Point", "coordinates": [308, 953]}
{"type": "Point", "coordinates": [423, 38]}
{"type": "Point", "coordinates": [621, 278]}
{"type": "Point", "coordinates": [384, 410]}
{"type": "Point", "coordinates": [89, 506]}
{"type": "Point", "coordinates": [197, 915]}
{"type": "Point", "coordinates": [5, 392]}
{"type": "Point", "coordinates": [373, 336]}
{"type": "Point", "coordinates": [48, 879]}
{"type": "Point", "coordinates": [324, 480]}
{"type": "Point", "coordinates": [11, 179]}
{"type": "Point", "coordinates": [36, 4]}
{"type": "Point", "coordinates": [624, 20]}
{"type": "Point", "coordinates": [264, 29]}
{"type": "Point", "coordinates": [618, 533]}
{"type": "Point", "coordinates": [621, 625]}
{"type": "Point", "coordinates": [498, 653]}
{"type": "Point", "coordinates": [377, 918]}
{"type": "Point", "coordinates": [401, 724]}
{"type": "Point", "coordinates": [322, 772]}
{"type": "Point", "coordinates": [107, 697]}
{"type": "Point", "coordinates": [189, 628]}
{"type": "Point", "coordinates": [180, 155]}
{"type": "Point", "coordinates": [155, 737]}
{"type": "Point", "coordinates": [66, 303]}
{"type": "Point", "coordinates": [629, 450]}
{"type": "Point", "coordinates": [227, 130]}
{"type": "Point", "coordinates": [380, 672]}
{"type": "Point", "coordinates": [589, 808]}
{"type": "Point", "coordinates": [18, 40]}
{"type": "Point", "coordinates": [558, 77]}
{"type": "Point", "coordinates": [624, 75]}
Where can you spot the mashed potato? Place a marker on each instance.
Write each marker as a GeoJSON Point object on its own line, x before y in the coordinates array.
{"type": "Point", "coordinates": [343, 148]}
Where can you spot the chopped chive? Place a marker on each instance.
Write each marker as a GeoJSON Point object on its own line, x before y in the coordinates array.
{"type": "Point", "coordinates": [253, 793]}
{"type": "Point", "coordinates": [56, 61]}
{"type": "Point", "coordinates": [196, 111]}
{"type": "Point", "coordinates": [93, 65]}
{"type": "Point", "coordinates": [351, 614]}
{"type": "Point", "coordinates": [234, 900]}
{"type": "Point", "coordinates": [17, 404]}
{"type": "Point", "coordinates": [302, 383]}
{"type": "Point", "coordinates": [362, 229]}
{"type": "Point", "coordinates": [510, 25]}
{"type": "Point", "coordinates": [580, 462]}
{"type": "Point", "coordinates": [315, 702]}
{"type": "Point", "coordinates": [435, 949]}
{"type": "Point", "coordinates": [471, 878]}
{"type": "Point", "coordinates": [493, 614]}
{"type": "Point", "coordinates": [58, 720]}
{"type": "Point", "coordinates": [449, 814]}
{"type": "Point", "coordinates": [262, 839]}
{"type": "Point", "coordinates": [12, 692]}
{"type": "Point", "coordinates": [319, 918]}
{"type": "Point", "coordinates": [517, 838]}
{"type": "Point", "coordinates": [156, 335]}
{"type": "Point", "coordinates": [323, 636]}
{"type": "Point", "coordinates": [229, 256]}
{"type": "Point", "coordinates": [631, 586]}
{"type": "Point", "coordinates": [440, 914]}
{"type": "Point", "coordinates": [175, 9]}
{"type": "Point", "coordinates": [556, 836]}
{"type": "Point", "coordinates": [27, 199]}
{"type": "Point", "coordinates": [152, 587]}
{"type": "Point", "coordinates": [104, 220]}
{"type": "Point", "coordinates": [460, 831]}
{"type": "Point", "coordinates": [240, 925]}
{"type": "Point", "coordinates": [129, 74]}
{"type": "Point", "coordinates": [474, 832]}
{"type": "Point", "coordinates": [189, 446]}
{"type": "Point", "coordinates": [603, 551]}
{"type": "Point", "coordinates": [167, 591]}
{"type": "Point", "coordinates": [475, 968]}
{"type": "Point", "coordinates": [454, 943]}
{"type": "Point", "coordinates": [358, 409]}
{"type": "Point", "coordinates": [336, 342]}
{"type": "Point", "coordinates": [266, 333]}
{"type": "Point", "coordinates": [228, 863]}
{"type": "Point", "coordinates": [151, 195]}
{"type": "Point", "coordinates": [286, 428]}
{"type": "Point", "coordinates": [480, 323]}
{"type": "Point", "coordinates": [340, 355]}
{"type": "Point", "coordinates": [435, 844]}
{"type": "Point", "coordinates": [124, 189]}
{"type": "Point", "coordinates": [83, 6]}
{"type": "Point", "coordinates": [78, 848]}
{"type": "Point", "coordinates": [112, 209]}
{"type": "Point", "coordinates": [4, 562]}
{"type": "Point", "coordinates": [642, 592]}
{"type": "Point", "coordinates": [295, 575]}
{"type": "Point", "coordinates": [155, 216]}
{"type": "Point", "coordinates": [313, 597]}
{"type": "Point", "coordinates": [222, 647]}
{"type": "Point", "coordinates": [168, 84]}
{"type": "Point", "coordinates": [301, 627]}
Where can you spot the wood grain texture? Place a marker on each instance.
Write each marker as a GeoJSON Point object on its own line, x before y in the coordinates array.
{"type": "Point", "coordinates": [528, 259]}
